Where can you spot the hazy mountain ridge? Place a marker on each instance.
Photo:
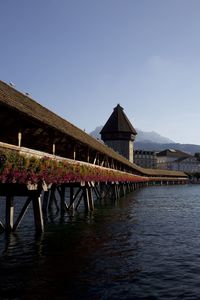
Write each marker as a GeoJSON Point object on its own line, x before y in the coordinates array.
{"type": "Point", "coordinates": [189, 148]}
{"type": "Point", "coordinates": [142, 136]}
{"type": "Point", "coordinates": [151, 136]}
{"type": "Point", "coordinates": [152, 141]}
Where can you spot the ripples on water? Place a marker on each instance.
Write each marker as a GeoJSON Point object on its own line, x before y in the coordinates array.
{"type": "Point", "coordinates": [145, 246]}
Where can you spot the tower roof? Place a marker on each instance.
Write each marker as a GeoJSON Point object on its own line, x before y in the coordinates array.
{"type": "Point", "coordinates": [118, 122]}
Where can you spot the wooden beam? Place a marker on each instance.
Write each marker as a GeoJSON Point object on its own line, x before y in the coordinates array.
{"type": "Point", "coordinates": [90, 198]}
{"type": "Point", "coordinates": [79, 201]}
{"type": "Point", "coordinates": [45, 202]}
{"type": "Point", "coordinates": [52, 198]}
{"type": "Point", "coordinates": [86, 199]}
{"type": "Point", "coordinates": [37, 211]}
{"type": "Point", "coordinates": [103, 161]}
{"type": "Point", "coordinates": [19, 139]}
{"type": "Point", "coordinates": [54, 149]}
{"type": "Point", "coordinates": [22, 213]}
{"type": "Point", "coordinates": [97, 193]}
{"type": "Point", "coordinates": [88, 155]}
{"type": "Point", "coordinates": [74, 198]}
{"type": "Point", "coordinates": [63, 205]}
{"type": "Point", "coordinates": [9, 220]}
{"type": "Point", "coordinates": [95, 159]}
{"type": "Point", "coordinates": [71, 192]}
{"type": "Point", "coordinates": [2, 225]}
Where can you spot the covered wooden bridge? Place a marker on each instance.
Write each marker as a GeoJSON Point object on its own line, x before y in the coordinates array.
{"type": "Point", "coordinates": [43, 155]}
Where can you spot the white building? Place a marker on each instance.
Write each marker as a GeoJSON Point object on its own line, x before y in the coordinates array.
{"type": "Point", "coordinates": [171, 159]}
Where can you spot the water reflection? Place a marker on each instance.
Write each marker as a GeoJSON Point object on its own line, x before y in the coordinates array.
{"type": "Point", "coordinates": [145, 246]}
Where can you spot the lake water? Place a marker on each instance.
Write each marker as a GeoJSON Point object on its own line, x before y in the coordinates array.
{"type": "Point", "coordinates": [144, 246]}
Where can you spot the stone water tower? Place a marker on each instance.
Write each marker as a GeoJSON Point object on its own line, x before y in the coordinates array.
{"type": "Point", "coordinates": [119, 134]}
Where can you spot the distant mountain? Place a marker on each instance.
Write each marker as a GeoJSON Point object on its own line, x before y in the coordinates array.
{"type": "Point", "coordinates": [151, 137]}
{"type": "Point", "coordinates": [96, 133]}
{"type": "Point", "coordinates": [189, 148]}
{"type": "Point", "coordinates": [142, 136]}
{"type": "Point", "coordinates": [153, 141]}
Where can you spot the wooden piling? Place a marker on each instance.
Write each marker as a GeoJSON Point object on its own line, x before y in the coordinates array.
{"type": "Point", "coordinates": [86, 198]}
{"type": "Point", "coordinates": [62, 200]}
{"type": "Point", "coordinates": [91, 200]}
{"type": "Point", "coordinates": [37, 211]}
{"type": "Point", "coordinates": [71, 197]}
{"type": "Point", "coordinates": [9, 220]}
{"type": "Point", "coordinates": [45, 202]}
{"type": "Point", "coordinates": [53, 199]}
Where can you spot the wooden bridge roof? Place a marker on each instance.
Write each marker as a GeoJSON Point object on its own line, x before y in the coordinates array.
{"type": "Point", "coordinates": [20, 102]}
{"type": "Point", "coordinates": [21, 108]}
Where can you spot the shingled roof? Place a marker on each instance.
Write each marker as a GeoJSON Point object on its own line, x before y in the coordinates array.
{"type": "Point", "coordinates": [173, 153]}
{"type": "Point", "coordinates": [22, 106]}
{"type": "Point", "coordinates": [118, 122]}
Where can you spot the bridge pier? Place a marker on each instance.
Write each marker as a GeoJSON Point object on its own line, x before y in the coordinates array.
{"type": "Point", "coordinates": [65, 198]}
{"type": "Point", "coordinates": [62, 201]}
{"type": "Point", "coordinates": [45, 202]}
{"type": "Point", "coordinates": [71, 197]}
{"type": "Point", "coordinates": [9, 219]}
{"type": "Point", "coordinates": [37, 211]}
{"type": "Point", "coordinates": [86, 199]}
{"type": "Point", "coordinates": [53, 198]}
{"type": "Point", "coordinates": [90, 194]}
{"type": "Point", "coordinates": [11, 224]}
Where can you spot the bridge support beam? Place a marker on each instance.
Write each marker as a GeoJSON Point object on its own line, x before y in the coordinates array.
{"type": "Point", "coordinates": [9, 220]}
{"type": "Point", "coordinates": [63, 206]}
{"type": "Point", "coordinates": [71, 197]}
{"type": "Point", "coordinates": [37, 211]}
{"type": "Point", "coordinates": [90, 195]}
{"type": "Point", "coordinates": [86, 199]}
{"type": "Point", "coordinates": [45, 202]}
{"type": "Point", "coordinates": [52, 198]}
{"type": "Point", "coordinates": [22, 213]}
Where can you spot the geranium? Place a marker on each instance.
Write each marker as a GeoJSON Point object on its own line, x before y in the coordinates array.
{"type": "Point", "coordinates": [16, 168]}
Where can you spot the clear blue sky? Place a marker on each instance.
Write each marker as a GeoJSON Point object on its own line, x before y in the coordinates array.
{"type": "Point", "coordinates": [80, 58]}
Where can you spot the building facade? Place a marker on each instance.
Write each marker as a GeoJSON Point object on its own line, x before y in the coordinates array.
{"type": "Point", "coordinates": [145, 159]}
{"type": "Point", "coordinates": [167, 158]}
{"type": "Point", "coordinates": [176, 160]}
{"type": "Point", "coordinates": [189, 165]}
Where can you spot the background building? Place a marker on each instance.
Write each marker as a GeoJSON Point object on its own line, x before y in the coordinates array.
{"type": "Point", "coordinates": [167, 158]}
{"type": "Point", "coordinates": [189, 165]}
{"type": "Point", "coordinates": [171, 159]}
{"type": "Point", "coordinates": [146, 159]}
